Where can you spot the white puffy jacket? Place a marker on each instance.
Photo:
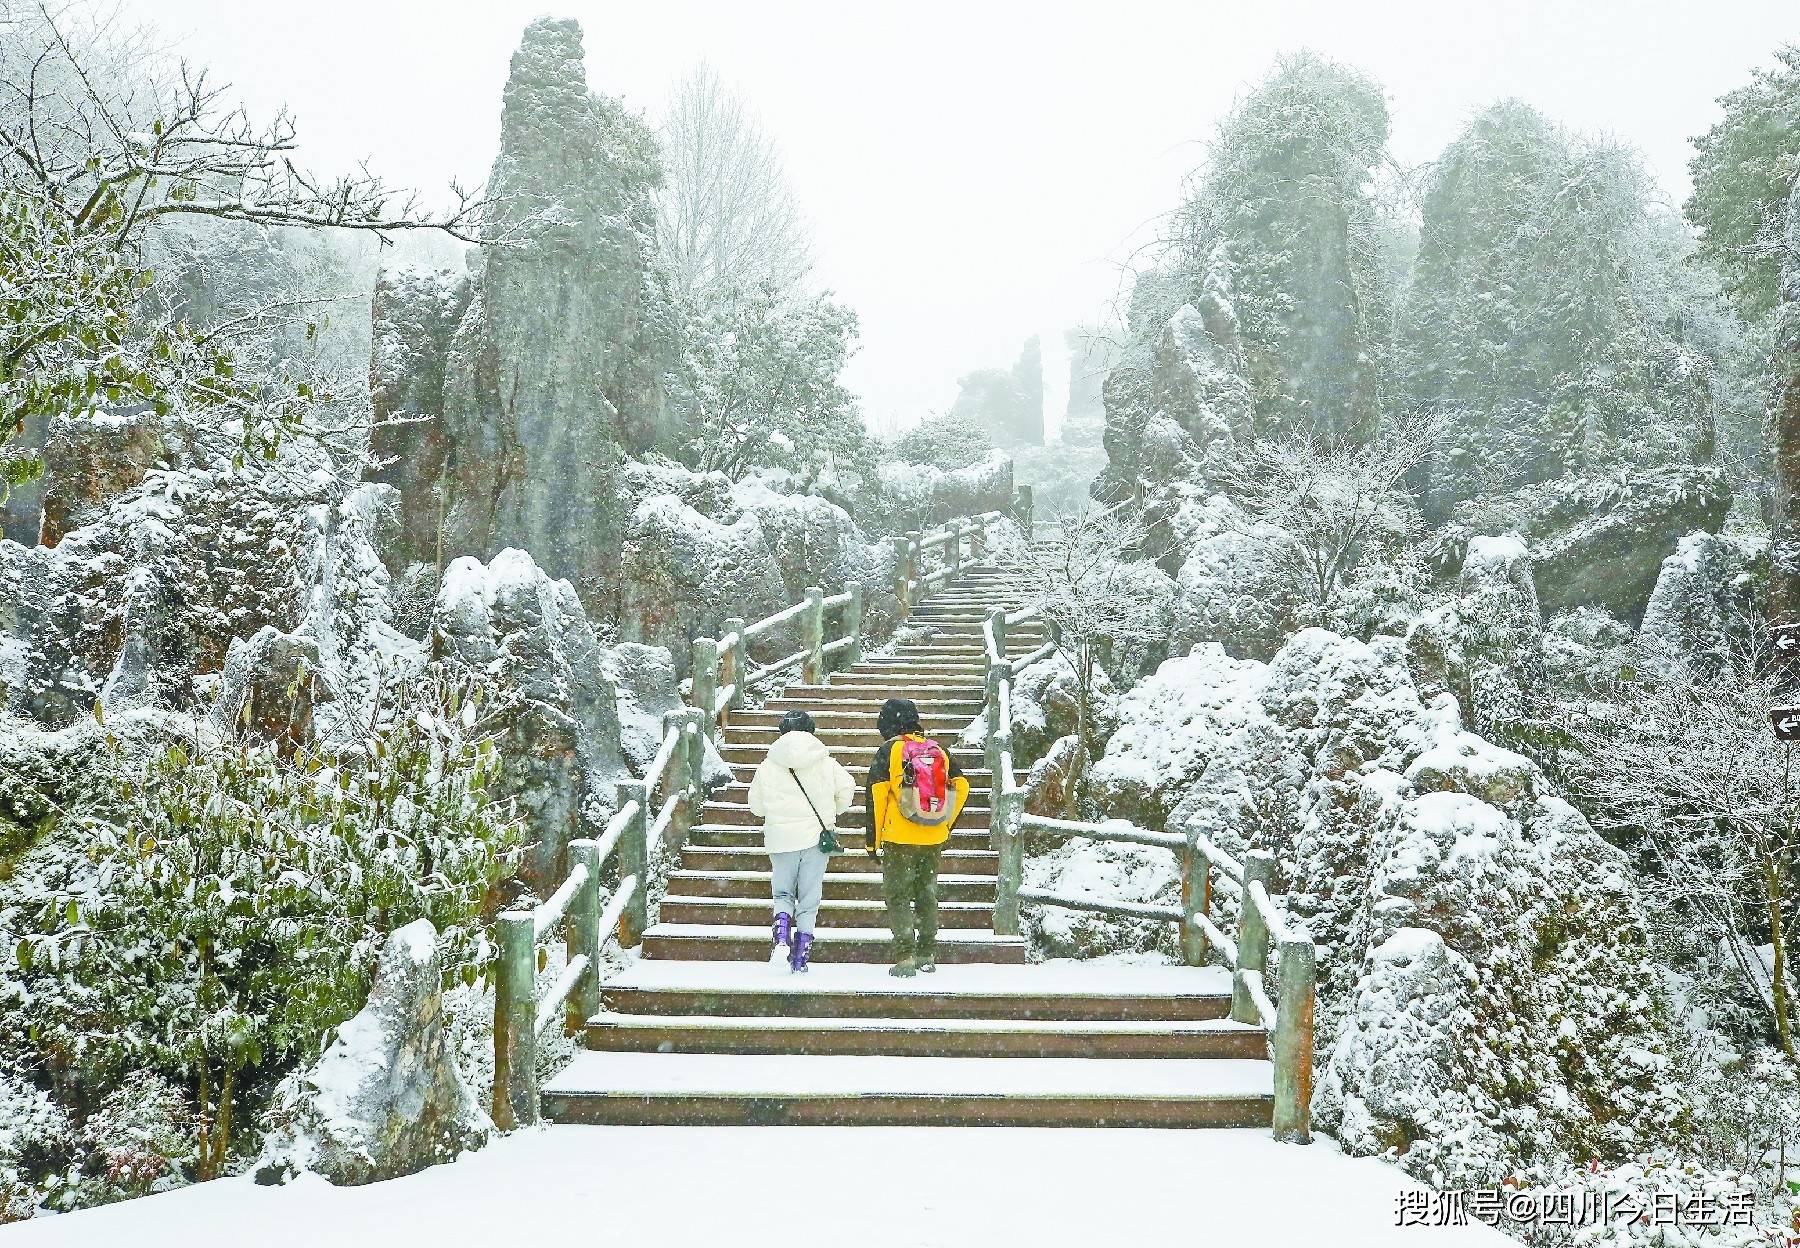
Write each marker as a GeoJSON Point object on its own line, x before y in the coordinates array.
{"type": "Point", "coordinates": [788, 823]}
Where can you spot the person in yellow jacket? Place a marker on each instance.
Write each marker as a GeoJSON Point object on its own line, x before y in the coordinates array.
{"type": "Point", "coordinates": [908, 850]}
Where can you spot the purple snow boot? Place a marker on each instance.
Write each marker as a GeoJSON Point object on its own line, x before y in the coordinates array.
{"type": "Point", "coordinates": [802, 953]}
{"type": "Point", "coordinates": [784, 928]}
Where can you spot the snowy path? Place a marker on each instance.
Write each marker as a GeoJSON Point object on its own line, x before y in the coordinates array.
{"type": "Point", "coordinates": [705, 1187]}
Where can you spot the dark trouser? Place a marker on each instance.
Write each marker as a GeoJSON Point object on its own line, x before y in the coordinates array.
{"type": "Point", "coordinates": [909, 882]}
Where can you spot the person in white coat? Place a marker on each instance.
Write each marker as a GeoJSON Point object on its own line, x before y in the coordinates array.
{"type": "Point", "coordinates": [798, 790]}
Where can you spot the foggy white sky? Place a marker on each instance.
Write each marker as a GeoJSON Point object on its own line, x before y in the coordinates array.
{"type": "Point", "coordinates": [975, 172]}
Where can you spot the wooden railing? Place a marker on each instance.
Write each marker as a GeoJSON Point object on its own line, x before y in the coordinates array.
{"type": "Point", "coordinates": [913, 551]}
{"type": "Point", "coordinates": [1265, 940]}
{"type": "Point", "coordinates": [631, 835]}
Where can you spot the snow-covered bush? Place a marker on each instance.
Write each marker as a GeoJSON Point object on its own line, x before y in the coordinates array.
{"type": "Point", "coordinates": [221, 910]}
{"type": "Point", "coordinates": [37, 1145]}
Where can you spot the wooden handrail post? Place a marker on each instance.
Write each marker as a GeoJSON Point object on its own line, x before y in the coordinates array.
{"type": "Point", "coordinates": [731, 662]}
{"type": "Point", "coordinates": [956, 541]}
{"type": "Point", "coordinates": [696, 765]}
{"type": "Point", "coordinates": [1009, 841]}
{"type": "Point", "coordinates": [997, 675]}
{"type": "Point", "coordinates": [584, 935]}
{"type": "Point", "coordinates": [678, 783]}
{"type": "Point", "coordinates": [515, 1022]}
{"type": "Point", "coordinates": [997, 624]}
{"type": "Point", "coordinates": [634, 859]}
{"type": "Point", "coordinates": [978, 539]}
{"type": "Point", "coordinates": [902, 575]}
{"type": "Point", "coordinates": [914, 557]}
{"type": "Point", "coordinates": [813, 672]}
{"type": "Point", "coordinates": [1022, 506]}
{"type": "Point", "coordinates": [853, 624]}
{"type": "Point", "coordinates": [1293, 1042]}
{"type": "Point", "coordinates": [1196, 899]}
{"type": "Point", "coordinates": [1252, 938]}
{"type": "Point", "coordinates": [705, 676]}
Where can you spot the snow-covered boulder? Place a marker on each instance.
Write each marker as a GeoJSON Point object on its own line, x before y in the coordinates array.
{"type": "Point", "coordinates": [1045, 708]}
{"type": "Point", "coordinates": [1486, 643]}
{"type": "Point", "coordinates": [528, 634]}
{"type": "Point", "coordinates": [92, 460]}
{"type": "Point", "coordinates": [269, 688]}
{"type": "Point", "coordinates": [1601, 540]}
{"type": "Point", "coordinates": [1385, 814]}
{"type": "Point", "coordinates": [1230, 590]}
{"type": "Point", "coordinates": [685, 574]}
{"type": "Point", "coordinates": [142, 602]}
{"type": "Point", "coordinates": [1706, 597]}
{"type": "Point", "coordinates": [1168, 729]}
{"type": "Point", "coordinates": [1106, 871]}
{"type": "Point", "coordinates": [386, 1098]}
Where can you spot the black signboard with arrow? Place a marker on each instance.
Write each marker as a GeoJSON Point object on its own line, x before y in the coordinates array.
{"type": "Point", "coordinates": [1785, 719]}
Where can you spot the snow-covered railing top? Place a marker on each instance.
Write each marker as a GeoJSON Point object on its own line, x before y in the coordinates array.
{"type": "Point", "coordinates": [1262, 930]}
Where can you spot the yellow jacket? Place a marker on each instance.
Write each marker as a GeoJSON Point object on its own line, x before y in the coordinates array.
{"type": "Point", "coordinates": [886, 823]}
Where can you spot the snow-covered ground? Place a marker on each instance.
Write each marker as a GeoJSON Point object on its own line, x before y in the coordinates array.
{"type": "Point", "coordinates": [876, 1187]}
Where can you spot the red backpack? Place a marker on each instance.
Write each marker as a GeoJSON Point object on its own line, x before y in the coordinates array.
{"type": "Point", "coordinates": [924, 783]}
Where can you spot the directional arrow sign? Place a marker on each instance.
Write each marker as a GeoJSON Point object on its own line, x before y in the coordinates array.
{"type": "Point", "coordinates": [1787, 641]}
{"type": "Point", "coordinates": [1786, 721]}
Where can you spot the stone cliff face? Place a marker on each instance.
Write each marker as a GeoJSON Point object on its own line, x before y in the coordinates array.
{"type": "Point", "coordinates": [552, 373]}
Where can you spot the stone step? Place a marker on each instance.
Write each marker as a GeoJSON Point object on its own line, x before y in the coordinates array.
{"type": "Point", "coordinates": [723, 1089]}
{"type": "Point", "coordinates": [971, 816]}
{"type": "Point", "coordinates": [1051, 991]}
{"type": "Point", "coordinates": [954, 861]}
{"type": "Point", "coordinates": [829, 697]}
{"type": "Point", "coordinates": [980, 780]}
{"type": "Point", "coordinates": [839, 886]}
{"type": "Point", "coordinates": [833, 913]}
{"type": "Point", "coordinates": [822, 699]}
{"type": "Point", "coordinates": [851, 753]}
{"type": "Point", "coordinates": [850, 837]}
{"type": "Point", "coordinates": [936, 724]}
{"type": "Point", "coordinates": [978, 777]}
{"type": "Point", "coordinates": [750, 943]}
{"type": "Point", "coordinates": [882, 685]}
{"type": "Point", "coordinates": [863, 739]}
{"type": "Point", "coordinates": [934, 1037]}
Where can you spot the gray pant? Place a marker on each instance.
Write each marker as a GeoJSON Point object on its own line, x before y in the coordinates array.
{"type": "Point", "coordinates": [796, 881]}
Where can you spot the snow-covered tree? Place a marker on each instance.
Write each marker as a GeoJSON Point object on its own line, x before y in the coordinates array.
{"type": "Point", "coordinates": [763, 372]}
{"type": "Point", "coordinates": [1683, 760]}
{"type": "Point", "coordinates": [727, 220]}
{"type": "Point", "coordinates": [1331, 510]}
{"type": "Point", "coordinates": [1107, 607]}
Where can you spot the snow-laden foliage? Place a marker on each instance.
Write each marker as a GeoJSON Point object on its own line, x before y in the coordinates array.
{"type": "Point", "coordinates": [217, 907]}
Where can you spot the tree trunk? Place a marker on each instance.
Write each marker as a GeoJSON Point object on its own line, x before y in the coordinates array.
{"type": "Point", "coordinates": [1784, 581]}
{"type": "Point", "coordinates": [1778, 972]}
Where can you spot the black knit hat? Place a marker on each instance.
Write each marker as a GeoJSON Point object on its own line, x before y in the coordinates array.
{"type": "Point", "coordinates": [898, 715]}
{"type": "Point", "coordinates": [794, 721]}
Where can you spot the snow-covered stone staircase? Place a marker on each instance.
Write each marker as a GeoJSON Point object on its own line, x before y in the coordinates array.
{"type": "Point", "coordinates": [705, 1029]}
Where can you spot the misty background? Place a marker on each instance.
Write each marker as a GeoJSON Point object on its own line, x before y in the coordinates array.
{"type": "Point", "coordinates": [975, 174]}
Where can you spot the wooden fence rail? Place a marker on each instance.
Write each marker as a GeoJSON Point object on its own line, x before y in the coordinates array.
{"type": "Point", "coordinates": [1265, 942]}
